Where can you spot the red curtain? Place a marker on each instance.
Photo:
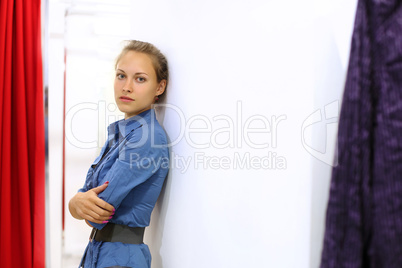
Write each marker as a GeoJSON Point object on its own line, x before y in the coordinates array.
{"type": "Point", "coordinates": [22, 136]}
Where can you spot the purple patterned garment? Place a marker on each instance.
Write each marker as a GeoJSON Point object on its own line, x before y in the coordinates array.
{"type": "Point", "coordinates": [364, 214]}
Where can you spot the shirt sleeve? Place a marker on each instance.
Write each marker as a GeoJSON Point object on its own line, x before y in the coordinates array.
{"type": "Point", "coordinates": [91, 169]}
{"type": "Point", "coordinates": [134, 166]}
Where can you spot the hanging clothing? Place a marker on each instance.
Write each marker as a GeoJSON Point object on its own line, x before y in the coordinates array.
{"type": "Point", "coordinates": [135, 161]}
{"type": "Point", "coordinates": [364, 213]}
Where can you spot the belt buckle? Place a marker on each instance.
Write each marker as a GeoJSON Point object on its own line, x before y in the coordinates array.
{"type": "Point", "coordinates": [93, 234]}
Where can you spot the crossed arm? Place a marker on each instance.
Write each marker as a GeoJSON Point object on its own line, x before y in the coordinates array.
{"type": "Point", "coordinates": [89, 207]}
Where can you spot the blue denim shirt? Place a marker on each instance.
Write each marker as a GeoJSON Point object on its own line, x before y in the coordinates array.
{"type": "Point", "coordinates": [135, 161]}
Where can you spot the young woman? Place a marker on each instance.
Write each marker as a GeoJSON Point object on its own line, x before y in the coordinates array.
{"type": "Point", "coordinates": [125, 180]}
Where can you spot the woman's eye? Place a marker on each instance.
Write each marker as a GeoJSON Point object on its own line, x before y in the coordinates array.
{"type": "Point", "coordinates": [120, 76]}
{"type": "Point", "coordinates": [140, 79]}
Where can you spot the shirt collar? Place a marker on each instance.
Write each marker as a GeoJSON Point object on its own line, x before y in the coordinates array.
{"type": "Point", "coordinates": [125, 126]}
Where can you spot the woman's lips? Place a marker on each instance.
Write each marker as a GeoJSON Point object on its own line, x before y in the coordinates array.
{"type": "Point", "coordinates": [125, 99]}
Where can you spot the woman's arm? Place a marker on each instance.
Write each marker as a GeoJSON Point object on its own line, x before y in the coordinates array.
{"type": "Point", "coordinates": [88, 206]}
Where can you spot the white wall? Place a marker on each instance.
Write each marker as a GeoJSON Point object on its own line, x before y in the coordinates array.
{"type": "Point", "coordinates": [271, 62]}
{"type": "Point", "coordinates": [258, 53]}
{"type": "Point", "coordinates": [279, 59]}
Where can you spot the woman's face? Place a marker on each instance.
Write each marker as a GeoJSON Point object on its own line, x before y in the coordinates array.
{"type": "Point", "coordinates": [135, 84]}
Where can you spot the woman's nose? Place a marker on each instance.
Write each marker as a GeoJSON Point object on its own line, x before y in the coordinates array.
{"type": "Point", "coordinates": [128, 86]}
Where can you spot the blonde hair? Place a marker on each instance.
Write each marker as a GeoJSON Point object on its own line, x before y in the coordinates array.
{"type": "Point", "coordinates": [159, 60]}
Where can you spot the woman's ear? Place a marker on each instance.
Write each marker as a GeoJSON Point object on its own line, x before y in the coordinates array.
{"type": "Point", "coordinates": [161, 87]}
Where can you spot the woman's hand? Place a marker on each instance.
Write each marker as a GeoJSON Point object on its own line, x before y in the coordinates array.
{"type": "Point", "coordinates": [90, 207]}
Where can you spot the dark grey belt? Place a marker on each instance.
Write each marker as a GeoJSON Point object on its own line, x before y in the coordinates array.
{"type": "Point", "coordinates": [118, 233]}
